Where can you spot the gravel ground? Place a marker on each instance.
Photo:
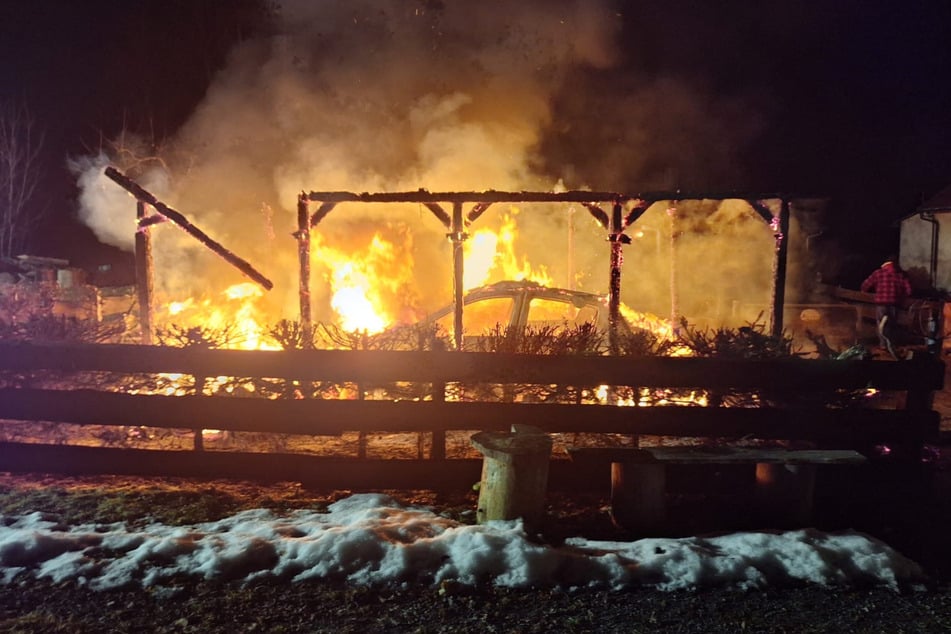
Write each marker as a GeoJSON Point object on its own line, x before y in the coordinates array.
{"type": "Point", "coordinates": [325, 607]}
{"type": "Point", "coordinates": [31, 605]}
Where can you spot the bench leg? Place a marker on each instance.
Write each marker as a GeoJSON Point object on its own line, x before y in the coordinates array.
{"type": "Point", "coordinates": [784, 494]}
{"type": "Point", "coordinates": [639, 497]}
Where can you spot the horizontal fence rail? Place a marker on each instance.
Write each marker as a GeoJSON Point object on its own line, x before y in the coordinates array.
{"type": "Point", "coordinates": [331, 417]}
{"type": "Point", "coordinates": [924, 374]}
{"type": "Point", "coordinates": [51, 383]}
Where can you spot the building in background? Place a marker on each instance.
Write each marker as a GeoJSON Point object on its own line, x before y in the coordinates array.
{"type": "Point", "coordinates": [925, 244]}
{"type": "Point", "coordinates": [33, 286]}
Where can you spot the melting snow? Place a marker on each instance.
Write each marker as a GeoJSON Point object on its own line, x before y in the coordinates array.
{"type": "Point", "coordinates": [372, 539]}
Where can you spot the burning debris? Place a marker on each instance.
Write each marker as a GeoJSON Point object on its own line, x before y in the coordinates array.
{"type": "Point", "coordinates": [170, 214]}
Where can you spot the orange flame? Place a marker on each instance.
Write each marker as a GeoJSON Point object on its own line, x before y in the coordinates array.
{"type": "Point", "coordinates": [238, 311]}
{"type": "Point", "coordinates": [367, 284]}
{"type": "Point", "coordinates": [490, 256]}
{"type": "Point", "coordinates": [479, 258]}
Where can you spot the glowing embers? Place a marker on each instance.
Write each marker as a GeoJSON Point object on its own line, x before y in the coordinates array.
{"type": "Point", "coordinates": [232, 319]}
{"type": "Point", "coordinates": [647, 321]}
{"type": "Point", "coordinates": [649, 397]}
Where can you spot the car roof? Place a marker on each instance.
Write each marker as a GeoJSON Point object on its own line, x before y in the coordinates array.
{"type": "Point", "coordinates": [514, 287]}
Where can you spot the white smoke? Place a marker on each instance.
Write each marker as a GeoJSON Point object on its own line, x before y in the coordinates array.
{"type": "Point", "coordinates": [104, 207]}
{"type": "Point", "coordinates": [359, 96]}
{"type": "Point", "coordinates": [397, 96]}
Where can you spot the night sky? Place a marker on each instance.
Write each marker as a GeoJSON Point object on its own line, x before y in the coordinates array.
{"type": "Point", "coordinates": [844, 99]}
{"type": "Point", "coordinates": [88, 70]}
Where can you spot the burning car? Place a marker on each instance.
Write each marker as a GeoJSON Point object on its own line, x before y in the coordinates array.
{"type": "Point", "coordinates": [518, 305]}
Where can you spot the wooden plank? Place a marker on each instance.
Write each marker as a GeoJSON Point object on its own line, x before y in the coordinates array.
{"type": "Point", "coordinates": [727, 455]}
{"type": "Point", "coordinates": [311, 416]}
{"type": "Point", "coordinates": [789, 375]}
{"type": "Point", "coordinates": [313, 471]}
{"type": "Point", "coordinates": [717, 455]}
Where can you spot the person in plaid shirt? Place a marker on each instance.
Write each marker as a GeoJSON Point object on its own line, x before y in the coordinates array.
{"type": "Point", "coordinates": [891, 287]}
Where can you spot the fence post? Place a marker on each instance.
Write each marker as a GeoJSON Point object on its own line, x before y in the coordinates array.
{"type": "Point", "coordinates": [438, 451]}
{"type": "Point", "coordinates": [143, 274]}
{"type": "Point", "coordinates": [361, 435]}
{"type": "Point", "coordinates": [199, 390]}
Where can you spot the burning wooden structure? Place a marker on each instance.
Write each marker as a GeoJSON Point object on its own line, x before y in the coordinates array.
{"type": "Point", "coordinates": [625, 210]}
{"type": "Point", "coordinates": [457, 211]}
{"type": "Point", "coordinates": [143, 247]}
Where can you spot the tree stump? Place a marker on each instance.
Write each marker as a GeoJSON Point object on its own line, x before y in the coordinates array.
{"type": "Point", "coordinates": [514, 475]}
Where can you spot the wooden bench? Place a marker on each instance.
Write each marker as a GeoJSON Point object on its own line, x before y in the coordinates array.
{"type": "Point", "coordinates": [783, 491]}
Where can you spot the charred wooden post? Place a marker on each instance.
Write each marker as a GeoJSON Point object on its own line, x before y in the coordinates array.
{"type": "Point", "coordinates": [143, 274]}
{"type": "Point", "coordinates": [440, 214]}
{"type": "Point", "coordinates": [303, 255]}
{"type": "Point", "coordinates": [424, 197]}
{"type": "Point", "coordinates": [674, 294]}
{"type": "Point", "coordinates": [144, 196]}
{"type": "Point", "coordinates": [781, 229]}
{"type": "Point", "coordinates": [617, 238]}
{"type": "Point", "coordinates": [571, 248]}
{"type": "Point", "coordinates": [598, 214]}
{"type": "Point", "coordinates": [304, 226]}
{"type": "Point", "coordinates": [458, 236]}
{"type": "Point", "coordinates": [477, 210]}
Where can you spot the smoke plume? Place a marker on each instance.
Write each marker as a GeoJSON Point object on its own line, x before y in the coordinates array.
{"type": "Point", "coordinates": [396, 96]}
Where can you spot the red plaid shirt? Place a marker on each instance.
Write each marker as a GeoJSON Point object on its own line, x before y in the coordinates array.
{"type": "Point", "coordinates": [890, 285]}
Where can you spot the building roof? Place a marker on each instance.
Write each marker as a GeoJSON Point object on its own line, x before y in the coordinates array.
{"type": "Point", "coordinates": [939, 202]}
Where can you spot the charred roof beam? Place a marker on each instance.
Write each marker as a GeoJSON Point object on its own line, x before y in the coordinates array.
{"type": "Point", "coordinates": [496, 196]}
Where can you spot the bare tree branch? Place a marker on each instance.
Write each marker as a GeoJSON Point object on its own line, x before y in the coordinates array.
{"type": "Point", "coordinates": [20, 147]}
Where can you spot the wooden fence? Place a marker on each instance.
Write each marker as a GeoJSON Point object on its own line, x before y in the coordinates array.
{"type": "Point", "coordinates": [794, 400]}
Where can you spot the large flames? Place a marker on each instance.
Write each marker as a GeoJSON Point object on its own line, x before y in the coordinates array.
{"type": "Point", "coordinates": [367, 284]}
{"type": "Point", "coordinates": [491, 253]}
{"type": "Point", "coordinates": [364, 281]}
{"type": "Point", "coordinates": [234, 309]}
